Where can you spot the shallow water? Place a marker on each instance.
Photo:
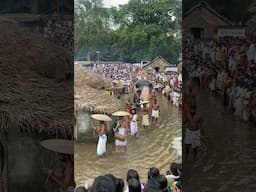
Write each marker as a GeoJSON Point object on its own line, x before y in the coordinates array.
{"type": "Point", "coordinates": [157, 146]}
{"type": "Point", "coordinates": [227, 157]}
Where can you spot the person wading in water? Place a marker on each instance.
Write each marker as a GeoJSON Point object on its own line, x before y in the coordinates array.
{"type": "Point", "coordinates": [193, 135]}
{"type": "Point", "coordinates": [121, 146]}
{"type": "Point", "coordinates": [145, 116]}
{"type": "Point", "coordinates": [102, 141]}
{"type": "Point", "coordinates": [134, 123]}
{"type": "Point", "coordinates": [155, 111]}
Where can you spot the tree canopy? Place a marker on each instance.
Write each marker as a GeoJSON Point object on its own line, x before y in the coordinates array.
{"type": "Point", "coordinates": [138, 30]}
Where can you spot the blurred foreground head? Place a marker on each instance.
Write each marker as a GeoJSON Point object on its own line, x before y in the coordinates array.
{"type": "Point", "coordinates": [103, 184]}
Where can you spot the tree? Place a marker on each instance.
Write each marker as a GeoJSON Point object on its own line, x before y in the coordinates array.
{"type": "Point", "coordinates": [140, 29]}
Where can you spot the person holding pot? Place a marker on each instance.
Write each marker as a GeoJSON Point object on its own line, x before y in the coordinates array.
{"type": "Point", "coordinates": [121, 136]}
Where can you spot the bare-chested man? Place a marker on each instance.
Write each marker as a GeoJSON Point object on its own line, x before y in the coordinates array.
{"type": "Point", "coordinates": [155, 111]}
{"type": "Point", "coordinates": [193, 135]}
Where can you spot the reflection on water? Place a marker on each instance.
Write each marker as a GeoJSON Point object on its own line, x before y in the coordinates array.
{"type": "Point", "coordinates": [158, 146]}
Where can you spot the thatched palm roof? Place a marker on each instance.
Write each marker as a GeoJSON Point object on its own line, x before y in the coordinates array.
{"type": "Point", "coordinates": [32, 53]}
{"type": "Point", "coordinates": [89, 99]}
{"type": "Point", "coordinates": [93, 80]}
{"type": "Point", "coordinates": [29, 100]}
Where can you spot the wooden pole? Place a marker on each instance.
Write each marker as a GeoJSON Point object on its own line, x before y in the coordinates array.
{"type": "Point", "coordinates": [58, 6]}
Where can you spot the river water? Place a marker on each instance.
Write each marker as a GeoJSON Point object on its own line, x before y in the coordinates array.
{"type": "Point", "coordinates": [227, 156]}
{"type": "Point", "coordinates": [157, 146]}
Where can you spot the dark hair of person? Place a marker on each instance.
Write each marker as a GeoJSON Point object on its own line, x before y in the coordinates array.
{"type": "Point", "coordinates": [163, 183]}
{"type": "Point", "coordinates": [119, 182]}
{"type": "Point", "coordinates": [131, 173]}
{"type": "Point", "coordinates": [119, 185]}
{"type": "Point", "coordinates": [152, 185]}
{"type": "Point", "coordinates": [134, 111]}
{"type": "Point", "coordinates": [174, 169]}
{"type": "Point", "coordinates": [103, 184]}
{"type": "Point", "coordinates": [81, 189]}
{"type": "Point", "coordinates": [134, 185]}
{"type": "Point", "coordinates": [153, 173]}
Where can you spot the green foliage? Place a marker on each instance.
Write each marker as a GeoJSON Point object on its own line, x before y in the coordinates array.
{"type": "Point", "coordinates": [132, 32]}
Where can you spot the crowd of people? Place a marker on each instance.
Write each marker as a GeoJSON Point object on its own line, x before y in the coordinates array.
{"type": "Point", "coordinates": [167, 84]}
{"type": "Point", "coordinates": [169, 182]}
{"type": "Point", "coordinates": [227, 68]}
{"type": "Point", "coordinates": [122, 71]}
{"type": "Point", "coordinates": [57, 30]}
{"type": "Point", "coordinates": [138, 114]}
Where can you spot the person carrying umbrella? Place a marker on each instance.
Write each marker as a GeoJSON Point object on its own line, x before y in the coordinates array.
{"type": "Point", "coordinates": [65, 149]}
{"type": "Point", "coordinates": [102, 134]}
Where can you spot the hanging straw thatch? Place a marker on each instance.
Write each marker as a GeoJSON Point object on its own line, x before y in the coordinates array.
{"type": "Point", "coordinates": [90, 99]}
{"type": "Point", "coordinates": [29, 100]}
{"type": "Point", "coordinates": [29, 52]}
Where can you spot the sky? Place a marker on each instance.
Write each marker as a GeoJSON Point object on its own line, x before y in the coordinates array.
{"type": "Point", "coordinates": [114, 3]}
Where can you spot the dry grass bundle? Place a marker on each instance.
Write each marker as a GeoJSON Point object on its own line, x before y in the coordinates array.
{"type": "Point", "coordinates": [88, 98]}
{"type": "Point", "coordinates": [29, 100]}
{"type": "Point", "coordinates": [24, 50]}
{"type": "Point", "coordinates": [35, 104]}
{"type": "Point", "coordinates": [91, 79]}
{"type": "Point", "coordinates": [95, 101]}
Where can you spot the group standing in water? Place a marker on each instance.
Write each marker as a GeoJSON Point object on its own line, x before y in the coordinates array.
{"type": "Point", "coordinates": [127, 124]}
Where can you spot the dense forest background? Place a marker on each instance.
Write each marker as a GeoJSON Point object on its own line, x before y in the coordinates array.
{"type": "Point", "coordinates": [139, 30]}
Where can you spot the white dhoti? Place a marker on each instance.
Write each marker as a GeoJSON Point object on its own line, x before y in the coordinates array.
{"type": "Point", "coordinates": [155, 113]}
{"type": "Point", "coordinates": [134, 127]}
{"type": "Point", "coordinates": [121, 131]}
{"type": "Point", "coordinates": [145, 120]}
{"type": "Point", "coordinates": [193, 138]}
{"type": "Point", "coordinates": [101, 146]}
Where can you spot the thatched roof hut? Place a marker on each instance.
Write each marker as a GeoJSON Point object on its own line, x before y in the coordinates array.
{"type": "Point", "coordinates": [29, 99]}
{"type": "Point", "coordinates": [88, 98]}
{"type": "Point", "coordinates": [93, 80]}
{"type": "Point", "coordinates": [28, 52]}
{"type": "Point", "coordinates": [36, 102]}
{"type": "Point", "coordinates": [95, 101]}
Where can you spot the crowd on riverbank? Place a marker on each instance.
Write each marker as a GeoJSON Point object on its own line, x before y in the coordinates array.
{"type": "Point", "coordinates": [167, 84]}
{"type": "Point", "coordinates": [227, 68]}
{"type": "Point", "coordinates": [169, 182]}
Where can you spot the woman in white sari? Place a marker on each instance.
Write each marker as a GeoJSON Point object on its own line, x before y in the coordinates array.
{"type": "Point", "coordinates": [102, 141]}
{"type": "Point", "coordinates": [133, 123]}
